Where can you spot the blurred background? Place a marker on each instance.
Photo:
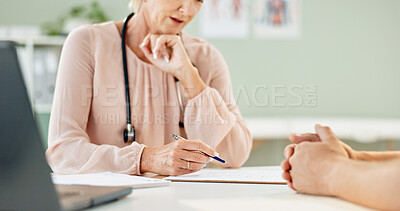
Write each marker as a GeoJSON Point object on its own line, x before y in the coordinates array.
{"type": "Point", "coordinates": [318, 61]}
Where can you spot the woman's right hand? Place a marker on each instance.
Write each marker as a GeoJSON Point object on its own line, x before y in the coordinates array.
{"type": "Point", "coordinates": [177, 158]}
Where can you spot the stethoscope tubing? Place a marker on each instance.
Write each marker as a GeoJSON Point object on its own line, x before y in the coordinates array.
{"type": "Point", "coordinates": [129, 132]}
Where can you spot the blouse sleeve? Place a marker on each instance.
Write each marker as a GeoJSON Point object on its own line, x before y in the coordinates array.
{"type": "Point", "coordinates": [213, 116]}
{"type": "Point", "coordinates": [70, 149]}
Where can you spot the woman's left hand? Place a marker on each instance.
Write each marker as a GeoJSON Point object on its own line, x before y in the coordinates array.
{"type": "Point", "coordinates": [167, 53]}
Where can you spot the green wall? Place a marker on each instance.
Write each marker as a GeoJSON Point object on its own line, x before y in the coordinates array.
{"type": "Point", "coordinates": [349, 50]}
{"type": "Point", "coordinates": [42, 120]}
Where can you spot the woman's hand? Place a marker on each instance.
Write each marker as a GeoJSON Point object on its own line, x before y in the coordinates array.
{"type": "Point", "coordinates": [177, 158]}
{"type": "Point", "coordinates": [168, 53]}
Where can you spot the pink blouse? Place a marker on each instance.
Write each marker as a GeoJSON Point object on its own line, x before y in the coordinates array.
{"type": "Point", "coordinates": [89, 114]}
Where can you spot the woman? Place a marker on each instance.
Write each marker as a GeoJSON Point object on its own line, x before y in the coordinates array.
{"type": "Point", "coordinates": [89, 112]}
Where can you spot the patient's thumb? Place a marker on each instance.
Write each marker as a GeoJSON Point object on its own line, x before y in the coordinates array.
{"type": "Point", "coordinates": [325, 133]}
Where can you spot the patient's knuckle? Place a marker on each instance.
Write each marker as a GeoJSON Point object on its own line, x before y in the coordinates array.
{"type": "Point", "coordinates": [288, 148]}
{"type": "Point", "coordinates": [300, 146]}
{"type": "Point", "coordinates": [292, 160]}
{"type": "Point", "coordinates": [283, 163]}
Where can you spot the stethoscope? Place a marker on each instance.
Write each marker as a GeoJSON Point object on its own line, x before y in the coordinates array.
{"type": "Point", "coordinates": [129, 132]}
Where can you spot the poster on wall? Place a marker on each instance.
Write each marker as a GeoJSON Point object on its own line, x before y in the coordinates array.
{"type": "Point", "coordinates": [224, 19]}
{"type": "Point", "coordinates": [277, 19]}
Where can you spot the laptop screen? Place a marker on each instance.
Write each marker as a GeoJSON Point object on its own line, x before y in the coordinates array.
{"type": "Point", "coordinates": [25, 182]}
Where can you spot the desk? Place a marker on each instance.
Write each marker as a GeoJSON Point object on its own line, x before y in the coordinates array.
{"type": "Point", "coordinates": [181, 196]}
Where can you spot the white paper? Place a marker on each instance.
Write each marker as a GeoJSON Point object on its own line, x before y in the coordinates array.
{"type": "Point", "coordinates": [108, 179]}
{"type": "Point", "coordinates": [234, 175]}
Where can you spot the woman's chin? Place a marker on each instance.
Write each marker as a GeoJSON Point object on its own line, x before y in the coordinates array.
{"type": "Point", "coordinates": [171, 32]}
{"type": "Point", "coordinates": [167, 32]}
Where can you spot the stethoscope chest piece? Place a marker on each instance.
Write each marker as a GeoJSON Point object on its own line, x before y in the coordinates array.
{"type": "Point", "coordinates": [129, 134]}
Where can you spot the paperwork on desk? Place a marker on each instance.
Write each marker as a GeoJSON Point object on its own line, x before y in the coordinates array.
{"type": "Point", "coordinates": [266, 176]}
{"type": "Point", "coordinates": [108, 179]}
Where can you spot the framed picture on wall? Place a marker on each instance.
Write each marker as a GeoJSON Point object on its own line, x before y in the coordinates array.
{"type": "Point", "coordinates": [225, 19]}
{"type": "Point", "coordinates": [277, 19]}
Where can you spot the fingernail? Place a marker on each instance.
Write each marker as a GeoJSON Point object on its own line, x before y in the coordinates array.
{"type": "Point", "coordinates": [141, 44]}
{"type": "Point", "coordinates": [209, 160]}
{"type": "Point", "coordinates": [216, 154]}
{"type": "Point", "coordinates": [317, 125]}
{"type": "Point", "coordinates": [155, 55]}
{"type": "Point", "coordinates": [166, 59]}
{"type": "Point", "coordinates": [204, 165]}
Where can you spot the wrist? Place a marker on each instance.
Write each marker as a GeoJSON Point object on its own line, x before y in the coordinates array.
{"type": "Point", "coordinates": [357, 155]}
{"type": "Point", "coordinates": [192, 82]}
{"type": "Point", "coordinates": [144, 161]}
{"type": "Point", "coordinates": [334, 179]}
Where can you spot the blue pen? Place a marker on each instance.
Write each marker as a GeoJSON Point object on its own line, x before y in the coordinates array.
{"type": "Point", "coordinates": [176, 137]}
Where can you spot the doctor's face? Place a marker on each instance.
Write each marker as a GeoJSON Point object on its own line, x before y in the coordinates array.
{"type": "Point", "coordinates": [170, 16]}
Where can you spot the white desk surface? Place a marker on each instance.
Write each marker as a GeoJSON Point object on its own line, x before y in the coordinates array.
{"type": "Point", "coordinates": [224, 196]}
{"type": "Point", "coordinates": [358, 129]}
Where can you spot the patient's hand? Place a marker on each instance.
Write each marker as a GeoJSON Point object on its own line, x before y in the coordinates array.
{"type": "Point", "coordinates": [311, 137]}
{"type": "Point", "coordinates": [307, 137]}
{"type": "Point", "coordinates": [285, 165]}
{"type": "Point", "coordinates": [314, 165]}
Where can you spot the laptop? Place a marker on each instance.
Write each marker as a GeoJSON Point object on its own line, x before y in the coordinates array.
{"type": "Point", "coordinates": [25, 182]}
